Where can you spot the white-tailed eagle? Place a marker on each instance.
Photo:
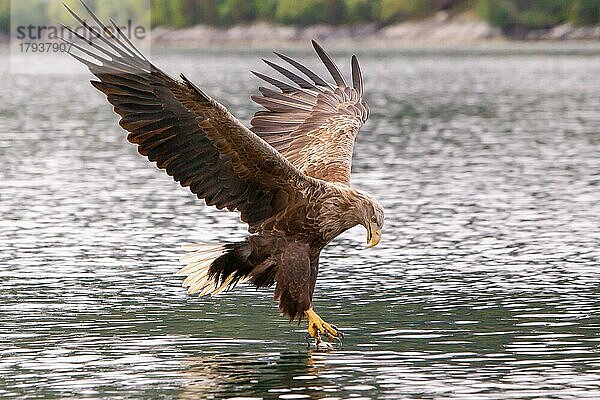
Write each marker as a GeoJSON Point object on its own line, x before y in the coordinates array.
{"type": "Point", "coordinates": [288, 175]}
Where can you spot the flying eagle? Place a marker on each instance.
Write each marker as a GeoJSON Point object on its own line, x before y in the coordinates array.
{"type": "Point", "coordinates": [288, 175]}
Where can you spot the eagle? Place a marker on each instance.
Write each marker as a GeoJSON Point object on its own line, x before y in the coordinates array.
{"type": "Point", "coordinates": [288, 175]}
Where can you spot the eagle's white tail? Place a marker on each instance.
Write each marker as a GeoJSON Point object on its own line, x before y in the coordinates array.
{"type": "Point", "coordinates": [198, 262]}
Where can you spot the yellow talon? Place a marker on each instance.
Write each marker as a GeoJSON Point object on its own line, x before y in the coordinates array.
{"type": "Point", "coordinates": [316, 327]}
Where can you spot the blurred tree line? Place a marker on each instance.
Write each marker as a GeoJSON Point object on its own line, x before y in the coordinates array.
{"type": "Point", "coordinates": [507, 14]}
{"type": "Point", "coordinates": [503, 13]}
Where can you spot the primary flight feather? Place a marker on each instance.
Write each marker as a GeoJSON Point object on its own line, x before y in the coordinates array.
{"type": "Point", "coordinates": [288, 176]}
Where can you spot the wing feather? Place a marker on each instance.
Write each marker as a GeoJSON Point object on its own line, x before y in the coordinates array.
{"type": "Point", "coordinates": [313, 124]}
{"type": "Point", "coordinates": [357, 79]}
{"type": "Point", "coordinates": [330, 65]}
{"type": "Point", "coordinates": [303, 83]}
{"type": "Point", "coordinates": [310, 74]}
{"type": "Point", "coordinates": [187, 133]}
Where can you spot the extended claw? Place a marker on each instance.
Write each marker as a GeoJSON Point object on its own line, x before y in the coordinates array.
{"type": "Point", "coordinates": [340, 336]}
{"type": "Point", "coordinates": [318, 327]}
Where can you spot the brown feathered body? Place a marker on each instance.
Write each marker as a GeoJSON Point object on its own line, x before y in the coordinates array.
{"type": "Point", "coordinates": [288, 176]}
{"type": "Point", "coordinates": [285, 249]}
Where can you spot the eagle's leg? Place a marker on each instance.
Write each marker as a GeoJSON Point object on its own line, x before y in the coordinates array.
{"type": "Point", "coordinates": [316, 327]}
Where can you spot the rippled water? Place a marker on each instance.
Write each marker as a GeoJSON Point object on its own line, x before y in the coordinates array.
{"type": "Point", "coordinates": [485, 284]}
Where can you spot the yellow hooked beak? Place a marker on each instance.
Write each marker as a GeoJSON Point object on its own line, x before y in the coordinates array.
{"type": "Point", "coordinates": [373, 235]}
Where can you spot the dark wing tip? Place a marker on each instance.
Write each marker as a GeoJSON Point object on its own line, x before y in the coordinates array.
{"type": "Point", "coordinates": [330, 65]}
{"type": "Point", "coordinates": [317, 80]}
{"type": "Point", "coordinates": [193, 86]}
{"type": "Point", "coordinates": [303, 83]}
{"type": "Point", "coordinates": [357, 79]}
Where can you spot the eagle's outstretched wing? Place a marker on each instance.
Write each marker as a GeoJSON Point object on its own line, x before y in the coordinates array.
{"type": "Point", "coordinates": [313, 123]}
{"type": "Point", "coordinates": [188, 134]}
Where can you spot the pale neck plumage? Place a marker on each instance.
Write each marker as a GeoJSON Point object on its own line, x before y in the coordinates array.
{"type": "Point", "coordinates": [340, 210]}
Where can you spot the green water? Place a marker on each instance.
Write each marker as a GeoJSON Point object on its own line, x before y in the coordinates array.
{"type": "Point", "coordinates": [485, 284]}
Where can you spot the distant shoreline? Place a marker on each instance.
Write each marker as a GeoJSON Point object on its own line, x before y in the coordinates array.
{"type": "Point", "coordinates": [440, 30]}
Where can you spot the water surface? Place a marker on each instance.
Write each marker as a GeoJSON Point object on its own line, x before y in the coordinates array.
{"type": "Point", "coordinates": [485, 284]}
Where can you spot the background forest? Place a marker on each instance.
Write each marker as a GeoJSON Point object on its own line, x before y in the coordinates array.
{"type": "Point", "coordinates": [506, 14]}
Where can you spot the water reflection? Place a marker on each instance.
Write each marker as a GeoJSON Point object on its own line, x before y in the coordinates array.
{"type": "Point", "coordinates": [485, 285]}
{"type": "Point", "coordinates": [249, 375]}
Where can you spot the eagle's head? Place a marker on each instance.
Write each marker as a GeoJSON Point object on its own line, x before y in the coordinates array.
{"type": "Point", "coordinates": [371, 217]}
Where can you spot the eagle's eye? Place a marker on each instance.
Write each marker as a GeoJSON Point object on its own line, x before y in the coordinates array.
{"type": "Point", "coordinates": [374, 219]}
